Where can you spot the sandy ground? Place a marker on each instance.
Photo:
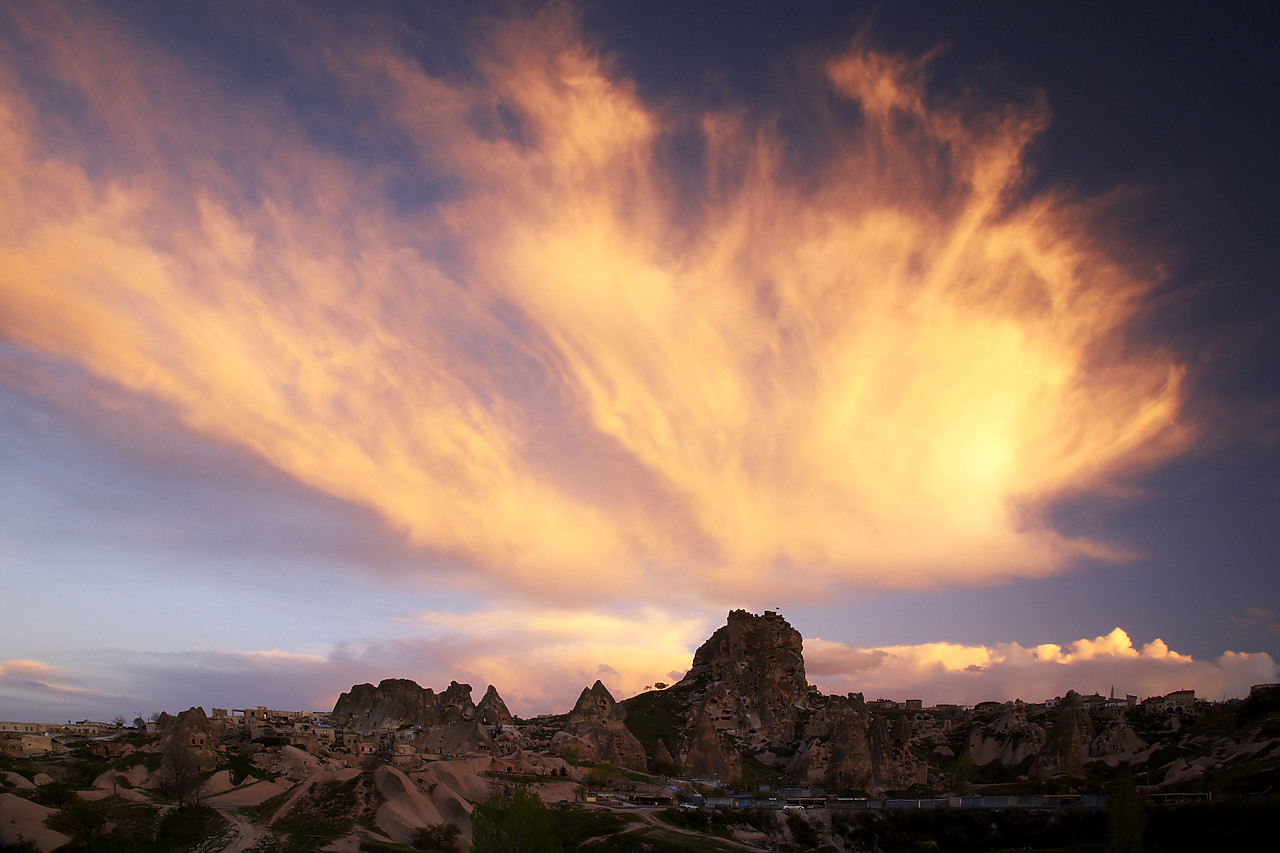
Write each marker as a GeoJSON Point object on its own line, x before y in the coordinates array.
{"type": "Point", "coordinates": [21, 818]}
{"type": "Point", "coordinates": [249, 795]}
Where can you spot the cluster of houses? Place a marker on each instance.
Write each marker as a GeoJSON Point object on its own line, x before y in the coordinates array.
{"type": "Point", "coordinates": [1179, 701]}
{"type": "Point", "coordinates": [817, 798]}
{"type": "Point", "coordinates": [313, 731]}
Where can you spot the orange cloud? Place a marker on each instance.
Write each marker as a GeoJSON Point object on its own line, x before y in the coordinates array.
{"type": "Point", "coordinates": [21, 679]}
{"type": "Point", "coordinates": [540, 660]}
{"type": "Point", "coordinates": [27, 669]}
{"type": "Point", "coordinates": [950, 672]}
{"type": "Point", "coordinates": [568, 372]}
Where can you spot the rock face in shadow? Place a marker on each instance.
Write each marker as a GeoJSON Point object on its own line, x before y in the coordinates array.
{"type": "Point", "coordinates": [597, 731]}
{"type": "Point", "coordinates": [1067, 747]}
{"type": "Point", "coordinates": [705, 755]}
{"type": "Point", "coordinates": [397, 702]}
{"type": "Point", "coordinates": [746, 702]}
{"type": "Point", "coordinates": [663, 762]}
{"type": "Point", "coordinates": [492, 711]}
{"type": "Point", "coordinates": [834, 751]}
{"type": "Point", "coordinates": [844, 747]}
{"type": "Point", "coordinates": [1009, 741]}
{"type": "Point", "coordinates": [752, 680]}
{"type": "Point", "coordinates": [193, 730]}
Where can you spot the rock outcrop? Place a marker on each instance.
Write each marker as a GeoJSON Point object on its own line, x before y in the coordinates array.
{"type": "Point", "coordinates": [705, 755]}
{"type": "Point", "coordinates": [193, 730]}
{"type": "Point", "coordinates": [844, 747]}
{"type": "Point", "coordinates": [1067, 746]}
{"type": "Point", "coordinates": [492, 711]}
{"type": "Point", "coordinates": [834, 751]}
{"type": "Point", "coordinates": [751, 677]}
{"type": "Point", "coordinates": [1010, 740]}
{"type": "Point", "coordinates": [1119, 742]}
{"type": "Point", "coordinates": [397, 702]}
{"type": "Point", "coordinates": [597, 731]}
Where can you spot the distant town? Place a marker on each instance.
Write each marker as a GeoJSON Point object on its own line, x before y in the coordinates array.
{"type": "Point", "coordinates": [314, 731]}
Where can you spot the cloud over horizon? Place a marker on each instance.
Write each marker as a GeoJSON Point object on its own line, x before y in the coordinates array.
{"type": "Point", "coordinates": [496, 312]}
{"type": "Point", "coordinates": [539, 668]}
{"type": "Point", "coordinates": [967, 674]}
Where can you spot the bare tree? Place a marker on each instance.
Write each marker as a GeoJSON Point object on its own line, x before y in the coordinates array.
{"type": "Point", "coordinates": [180, 776]}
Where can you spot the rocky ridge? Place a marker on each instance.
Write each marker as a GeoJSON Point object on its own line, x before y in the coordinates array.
{"type": "Point", "coordinates": [745, 707]}
{"type": "Point", "coordinates": [395, 759]}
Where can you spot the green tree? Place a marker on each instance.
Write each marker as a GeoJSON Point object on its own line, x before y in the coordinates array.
{"type": "Point", "coordinates": [963, 771]}
{"type": "Point", "coordinates": [515, 822]}
{"type": "Point", "coordinates": [1126, 816]}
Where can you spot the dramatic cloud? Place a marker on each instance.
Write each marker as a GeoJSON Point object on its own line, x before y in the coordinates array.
{"type": "Point", "coordinates": [496, 310]}
{"type": "Point", "coordinates": [540, 663]}
{"type": "Point", "coordinates": [948, 672]}
{"type": "Point", "coordinates": [542, 660]}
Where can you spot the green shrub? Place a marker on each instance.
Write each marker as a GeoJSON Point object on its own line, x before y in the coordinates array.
{"type": "Point", "coordinates": [516, 823]}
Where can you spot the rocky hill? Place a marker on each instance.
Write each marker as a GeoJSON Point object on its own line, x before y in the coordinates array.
{"type": "Point", "coordinates": [398, 764]}
{"type": "Point", "coordinates": [745, 711]}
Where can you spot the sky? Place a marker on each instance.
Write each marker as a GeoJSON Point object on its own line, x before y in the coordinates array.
{"type": "Point", "coordinates": [516, 344]}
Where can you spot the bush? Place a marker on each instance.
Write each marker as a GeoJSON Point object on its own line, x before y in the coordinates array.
{"type": "Point", "coordinates": [437, 838]}
{"type": "Point", "coordinates": [79, 819]}
{"type": "Point", "coordinates": [802, 832]}
{"type": "Point", "coordinates": [53, 795]}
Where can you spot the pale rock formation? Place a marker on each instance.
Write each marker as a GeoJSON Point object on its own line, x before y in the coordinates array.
{"type": "Point", "coordinates": [21, 818]}
{"type": "Point", "coordinates": [250, 793]}
{"type": "Point", "coordinates": [408, 808]}
{"type": "Point", "coordinates": [17, 780]}
{"type": "Point", "coordinates": [1117, 743]}
{"type": "Point", "coordinates": [134, 777]}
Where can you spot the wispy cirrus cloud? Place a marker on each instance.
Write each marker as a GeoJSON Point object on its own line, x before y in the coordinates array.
{"type": "Point", "coordinates": [525, 344]}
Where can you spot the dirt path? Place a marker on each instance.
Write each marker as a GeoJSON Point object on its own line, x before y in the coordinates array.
{"type": "Point", "coordinates": [247, 835]}
{"type": "Point", "coordinates": [650, 818]}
